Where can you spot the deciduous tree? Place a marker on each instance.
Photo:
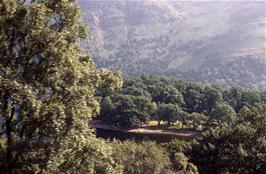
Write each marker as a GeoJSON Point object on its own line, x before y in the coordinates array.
{"type": "Point", "coordinates": [47, 91]}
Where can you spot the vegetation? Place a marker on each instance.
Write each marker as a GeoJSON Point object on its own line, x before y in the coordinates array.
{"type": "Point", "coordinates": [49, 91]}
{"type": "Point", "coordinates": [174, 100]}
{"type": "Point", "coordinates": [174, 38]}
{"type": "Point", "coordinates": [147, 157]}
{"type": "Point", "coordinates": [239, 147]}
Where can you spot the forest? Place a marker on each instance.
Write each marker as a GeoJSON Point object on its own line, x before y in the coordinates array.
{"type": "Point", "coordinates": [169, 99]}
{"type": "Point", "coordinates": [50, 90]}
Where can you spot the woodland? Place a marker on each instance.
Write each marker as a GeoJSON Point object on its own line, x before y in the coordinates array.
{"type": "Point", "coordinates": [50, 90]}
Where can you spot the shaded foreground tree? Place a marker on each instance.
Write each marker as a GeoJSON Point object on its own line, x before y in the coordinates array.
{"type": "Point", "coordinates": [238, 147]}
{"type": "Point", "coordinates": [47, 91]}
{"type": "Point", "coordinates": [150, 158]}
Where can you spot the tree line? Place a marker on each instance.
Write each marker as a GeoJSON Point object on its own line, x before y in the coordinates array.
{"type": "Point", "coordinates": [172, 100]}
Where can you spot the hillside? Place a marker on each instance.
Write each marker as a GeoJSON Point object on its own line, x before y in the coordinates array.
{"type": "Point", "coordinates": [216, 42]}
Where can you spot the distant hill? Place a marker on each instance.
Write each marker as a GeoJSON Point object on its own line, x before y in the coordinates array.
{"type": "Point", "coordinates": [215, 42]}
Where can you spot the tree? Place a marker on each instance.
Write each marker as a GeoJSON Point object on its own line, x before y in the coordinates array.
{"type": "Point", "coordinates": [250, 98]}
{"type": "Point", "coordinates": [194, 98]}
{"type": "Point", "coordinates": [110, 82]}
{"type": "Point", "coordinates": [176, 146]}
{"type": "Point", "coordinates": [135, 82]}
{"type": "Point", "coordinates": [176, 149]}
{"type": "Point", "coordinates": [168, 112]}
{"type": "Point", "coordinates": [47, 91]}
{"type": "Point", "coordinates": [107, 107]}
{"type": "Point", "coordinates": [222, 111]}
{"type": "Point", "coordinates": [129, 110]}
{"type": "Point", "coordinates": [150, 158]}
{"type": "Point", "coordinates": [166, 94]}
{"type": "Point", "coordinates": [197, 119]}
{"type": "Point", "coordinates": [133, 90]}
{"type": "Point", "coordinates": [139, 158]}
{"type": "Point", "coordinates": [234, 98]}
{"type": "Point", "coordinates": [238, 147]}
{"type": "Point", "coordinates": [183, 118]}
{"type": "Point", "coordinates": [212, 96]}
{"type": "Point", "coordinates": [181, 164]}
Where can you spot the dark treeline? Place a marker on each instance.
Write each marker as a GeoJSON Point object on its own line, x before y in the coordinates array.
{"type": "Point", "coordinates": [170, 99]}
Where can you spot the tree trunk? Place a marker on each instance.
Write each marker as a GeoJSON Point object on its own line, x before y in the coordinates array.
{"type": "Point", "coordinates": [9, 140]}
{"type": "Point", "coordinates": [8, 125]}
{"type": "Point", "coordinates": [159, 122]}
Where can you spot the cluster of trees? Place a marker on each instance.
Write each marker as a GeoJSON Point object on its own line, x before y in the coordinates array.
{"type": "Point", "coordinates": [49, 91]}
{"type": "Point", "coordinates": [170, 99]}
{"type": "Point", "coordinates": [236, 147]}
{"type": "Point", "coordinates": [239, 147]}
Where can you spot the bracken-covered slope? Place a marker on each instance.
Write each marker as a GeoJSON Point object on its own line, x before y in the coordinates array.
{"type": "Point", "coordinates": [216, 42]}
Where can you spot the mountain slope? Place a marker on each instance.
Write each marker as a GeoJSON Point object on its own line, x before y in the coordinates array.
{"type": "Point", "coordinates": [216, 42]}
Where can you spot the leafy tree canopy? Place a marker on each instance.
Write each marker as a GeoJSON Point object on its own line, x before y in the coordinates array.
{"type": "Point", "coordinates": [47, 91]}
{"type": "Point", "coordinates": [239, 147]}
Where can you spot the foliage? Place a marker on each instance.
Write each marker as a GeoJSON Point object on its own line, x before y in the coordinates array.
{"type": "Point", "coordinates": [141, 158]}
{"type": "Point", "coordinates": [169, 99]}
{"type": "Point", "coordinates": [197, 119]}
{"type": "Point", "coordinates": [181, 164]}
{"type": "Point", "coordinates": [127, 110]}
{"type": "Point", "coordinates": [47, 91]}
{"type": "Point", "coordinates": [222, 111]}
{"type": "Point", "coordinates": [164, 39]}
{"type": "Point", "coordinates": [176, 146]}
{"type": "Point", "coordinates": [147, 157]}
{"type": "Point", "coordinates": [168, 112]}
{"type": "Point", "coordinates": [239, 147]}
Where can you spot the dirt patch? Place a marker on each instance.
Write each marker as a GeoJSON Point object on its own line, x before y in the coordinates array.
{"type": "Point", "coordinates": [186, 134]}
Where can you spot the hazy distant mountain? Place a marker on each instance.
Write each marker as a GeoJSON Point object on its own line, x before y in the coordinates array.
{"type": "Point", "coordinates": [216, 42]}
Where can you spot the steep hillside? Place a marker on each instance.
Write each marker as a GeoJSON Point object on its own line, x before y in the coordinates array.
{"type": "Point", "coordinates": [216, 42]}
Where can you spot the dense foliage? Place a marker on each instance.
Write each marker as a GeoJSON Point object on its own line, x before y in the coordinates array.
{"type": "Point", "coordinates": [239, 147]}
{"type": "Point", "coordinates": [47, 91]}
{"type": "Point", "coordinates": [173, 100]}
{"type": "Point", "coordinates": [149, 158]}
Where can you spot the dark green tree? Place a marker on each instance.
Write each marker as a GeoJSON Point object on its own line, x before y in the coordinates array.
{"type": "Point", "coordinates": [130, 110]}
{"type": "Point", "coordinates": [222, 111]}
{"type": "Point", "coordinates": [250, 98]}
{"type": "Point", "coordinates": [234, 98]}
{"type": "Point", "coordinates": [212, 96]}
{"type": "Point", "coordinates": [169, 113]}
{"type": "Point", "coordinates": [238, 147]}
{"type": "Point", "coordinates": [166, 94]}
{"type": "Point", "coordinates": [194, 98]}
